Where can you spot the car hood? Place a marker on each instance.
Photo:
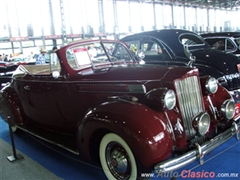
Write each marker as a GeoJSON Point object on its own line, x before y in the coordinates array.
{"type": "Point", "coordinates": [139, 73]}
{"type": "Point", "coordinates": [225, 62]}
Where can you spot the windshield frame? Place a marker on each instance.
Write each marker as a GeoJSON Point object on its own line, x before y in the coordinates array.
{"type": "Point", "coordinates": [68, 71]}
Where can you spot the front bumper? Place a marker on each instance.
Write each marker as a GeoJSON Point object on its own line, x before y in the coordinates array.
{"type": "Point", "coordinates": [236, 97]}
{"type": "Point", "coordinates": [199, 152]}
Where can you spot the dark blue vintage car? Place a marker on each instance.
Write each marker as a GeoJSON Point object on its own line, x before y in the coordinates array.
{"type": "Point", "coordinates": [186, 48]}
{"type": "Point", "coordinates": [225, 41]}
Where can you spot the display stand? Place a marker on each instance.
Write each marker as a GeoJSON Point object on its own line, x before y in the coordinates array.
{"type": "Point", "coordinates": [15, 156]}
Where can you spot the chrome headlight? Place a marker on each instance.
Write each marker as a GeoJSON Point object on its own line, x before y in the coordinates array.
{"type": "Point", "coordinates": [169, 99]}
{"type": "Point", "coordinates": [228, 108]}
{"type": "Point", "coordinates": [211, 85]}
{"type": "Point", "coordinates": [201, 123]}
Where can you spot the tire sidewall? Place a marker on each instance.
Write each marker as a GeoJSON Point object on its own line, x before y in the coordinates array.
{"type": "Point", "coordinates": [111, 137]}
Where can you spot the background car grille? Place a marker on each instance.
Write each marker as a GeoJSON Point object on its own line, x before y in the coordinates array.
{"type": "Point", "coordinates": [190, 101]}
{"type": "Point", "coordinates": [233, 81]}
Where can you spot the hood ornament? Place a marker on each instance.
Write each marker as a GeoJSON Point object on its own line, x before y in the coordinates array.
{"type": "Point", "coordinates": [178, 126]}
{"type": "Point", "coordinates": [191, 58]}
{"type": "Point", "coordinates": [141, 56]}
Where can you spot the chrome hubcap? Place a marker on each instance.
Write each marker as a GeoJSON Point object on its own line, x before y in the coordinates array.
{"type": "Point", "coordinates": [118, 161]}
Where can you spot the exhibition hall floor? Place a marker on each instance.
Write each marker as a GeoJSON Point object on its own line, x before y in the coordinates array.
{"type": "Point", "coordinates": [43, 161]}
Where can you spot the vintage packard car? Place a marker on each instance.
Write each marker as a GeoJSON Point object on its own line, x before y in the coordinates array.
{"type": "Point", "coordinates": [137, 117]}
{"type": "Point", "coordinates": [186, 48]}
{"type": "Point", "coordinates": [224, 41]}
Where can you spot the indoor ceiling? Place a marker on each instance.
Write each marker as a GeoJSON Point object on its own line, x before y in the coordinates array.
{"type": "Point", "coordinates": [226, 4]}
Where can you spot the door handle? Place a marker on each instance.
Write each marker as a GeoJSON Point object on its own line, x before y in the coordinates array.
{"type": "Point", "coordinates": [26, 87]}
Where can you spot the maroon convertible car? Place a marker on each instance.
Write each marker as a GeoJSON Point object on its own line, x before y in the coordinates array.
{"type": "Point", "coordinates": [140, 117]}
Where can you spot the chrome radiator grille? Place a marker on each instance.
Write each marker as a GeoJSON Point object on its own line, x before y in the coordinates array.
{"type": "Point", "coordinates": [190, 101]}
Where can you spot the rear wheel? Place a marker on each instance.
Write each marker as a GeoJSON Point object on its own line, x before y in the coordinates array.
{"type": "Point", "coordinates": [117, 159]}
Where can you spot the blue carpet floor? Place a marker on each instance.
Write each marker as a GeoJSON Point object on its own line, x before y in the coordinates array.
{"type": "Point", "coordinates": [223, 161]}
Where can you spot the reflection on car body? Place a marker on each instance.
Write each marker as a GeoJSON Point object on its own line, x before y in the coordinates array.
{"type": "Point", "coordinates": [137, 118]}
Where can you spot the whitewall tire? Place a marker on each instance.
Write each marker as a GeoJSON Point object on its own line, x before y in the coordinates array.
{"type": "Point", "coordinates": [117, 159]}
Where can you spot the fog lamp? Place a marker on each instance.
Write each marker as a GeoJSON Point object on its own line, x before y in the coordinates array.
{"type": "Point", "coordinates": [201, 123]}
{"type": "Point", "coordinates": [228, 108]}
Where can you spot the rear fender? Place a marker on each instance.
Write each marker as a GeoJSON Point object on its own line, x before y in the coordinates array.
{"type": "Point", "coordinates": [144, 130]}
{"type": "Point", "coordinates": [10, 106]}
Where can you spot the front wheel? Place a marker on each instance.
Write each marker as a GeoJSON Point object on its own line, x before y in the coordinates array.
{"type": "Point", "coordinates": [117, 159]}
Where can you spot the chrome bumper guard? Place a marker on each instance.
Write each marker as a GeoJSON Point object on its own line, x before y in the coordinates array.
{"type": "Point", "coordinates": [199, 152]}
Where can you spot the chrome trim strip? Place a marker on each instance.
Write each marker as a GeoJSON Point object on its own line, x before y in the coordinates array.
{"type": "Point", "coordinates": [213, 109]}
{"type": "Point", "coordinates": [193, 155]}
{"type": "Point", "coordinates": [137, 88]}
{"type": "Point", "coordinates": [171, 128]}
{"type": "Point", "coordinates": [112, 88]}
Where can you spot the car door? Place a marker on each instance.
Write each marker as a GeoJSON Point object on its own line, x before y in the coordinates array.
{"type": "Point", "coordinates": [39, 93]}
{"type": "Point", "coordinates": [50, 102]}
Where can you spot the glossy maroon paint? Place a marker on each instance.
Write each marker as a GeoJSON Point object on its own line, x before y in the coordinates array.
{"type": "Point", "coordinates": [81, 105]}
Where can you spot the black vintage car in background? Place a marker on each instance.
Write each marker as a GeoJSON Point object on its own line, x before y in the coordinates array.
{"type": "Point", "coordinates": [185, 48]}
{"type": "Point", "coordinates": [6, 71]}
{"type": "Point", "coordinates": [225, 41]}
{"type": "Point", "coordinates": [7, 68]}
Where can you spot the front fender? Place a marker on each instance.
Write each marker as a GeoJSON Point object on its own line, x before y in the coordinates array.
{"type": "Point", "coordinates": [10, 106]}
{"type": "Point", "coordinates": [145, 131]}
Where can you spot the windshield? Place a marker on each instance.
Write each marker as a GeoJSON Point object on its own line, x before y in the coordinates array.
{"type": "Point", "coordinates": [190, 40]}
{"type": "Point", "coordinates": [96, 54]}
